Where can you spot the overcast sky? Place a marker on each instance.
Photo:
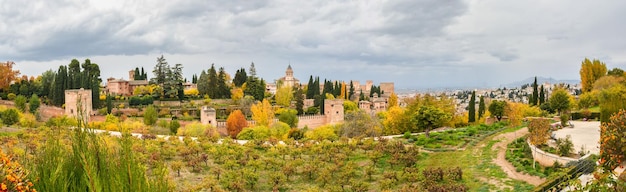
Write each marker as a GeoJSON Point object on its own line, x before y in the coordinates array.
{"type": "Point", "coordinates": [414, 43]}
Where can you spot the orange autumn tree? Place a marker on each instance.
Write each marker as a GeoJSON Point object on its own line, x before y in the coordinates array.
{"type": "Point", "coordinates": [235, 123]}
{"type": "Point", "coordinates": [7, 74]}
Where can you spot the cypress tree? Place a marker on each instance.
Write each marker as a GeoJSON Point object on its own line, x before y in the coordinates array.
{"type": "Point", "coordinates": [472, 108]}
{"type": "Point", "coordinates": [351, 92]}
{"type": "Point", "coordinates": [481, 107]}
{"type": "Point", "coordinates": [299, 97]}
{"type": "Point", "coordinates": [542, 96]}
{"type": "Point", "coordinates": [535, 97]}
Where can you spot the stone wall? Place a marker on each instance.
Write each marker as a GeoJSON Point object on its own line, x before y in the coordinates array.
{"type": "Point", "coordinates": [311, 121]}
{"type": "Point", "coordinates": [547, 159]}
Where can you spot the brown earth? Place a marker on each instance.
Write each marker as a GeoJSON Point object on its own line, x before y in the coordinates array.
{"type": "Point", "coordinates": [506, 166]}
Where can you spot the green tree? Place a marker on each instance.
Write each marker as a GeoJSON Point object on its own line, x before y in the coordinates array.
{"type": "Point", "coordinates": [299, 97]}
{"type": "Point", "coordinates": [560, 100]}
{"type": "Point", "coordinates": [430, 117]}
{"type": "Point", "coordinates": [223, 88]}
{"type": "Point", "coordinates": [255, 87]}
{"type": "Point", "coordinates": [497, 109]}
{"type": "Point", "coordinates": [310, 88]}
{"type": "Point", "coordinates": [351, 92]}
{"type": "Point", "coordinates": [161, 70]}
{"type": "Point", "coordinates": [20, 103]}
{"type": "Point", "coordinates": [47, 82]}
{"type": "Point", "coordinates": [289, 116]}
{"type": "Point", "coordinates": [612, 100]}
{"type": "Point", "coordinates": [472, 108]}
{"type": "Point", "coordinates": [33, 103]}
{"type": "Point", "coordinates": [542, 96]}
{"type": "Point", "coordinates": [212, 90]}
{"type": "Point", "coordinates": [481, 107]}
{"type": "Point", "coordinates": [203, 83]}
{"type": "Point", "coordinates": [109, 101]}
{"type": "Point", "coordinates": [534, 99]}
{"type": "Point", "coordinates": [240, 77]}
{"type": "Point", "coordinates": [150, 115]}
{"type": "Point", "coordinates": [616, 72]}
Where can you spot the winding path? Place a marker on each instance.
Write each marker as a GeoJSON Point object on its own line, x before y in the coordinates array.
{"type": "Point", "coordinates": [507, 167]}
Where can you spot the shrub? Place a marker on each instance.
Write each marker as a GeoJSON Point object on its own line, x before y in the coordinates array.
{"type": "Point", "coordinates": [289, 116]}
{"type": "Point", "coordinates": [33, 103]}
{"type": "Point", "coordinates": [565, 146]}
{"type": "Point", "coordinates": [326, 132]}
{"type": "Point", "coordinates": [62, 121]}
{"type": "Point", "coordinates": [20, 103]}
{"type": "Point", "coordinates": [174, 125]}
{"type": "Point", "coordinates": [11, 96]}
{"type": "Point", "coordinates": [28, 120]}
{"type": "Point", "coordinates": [279, 130]}
{"type": "Point", "coordinates": [163, 123]}
{"type": "Point", "coordinates": [297, 134]}
{"type": "Point", "coordinates": [150, 115]}
{"type": "Point", "coordinates": [10, 116]}
{"type": "Point", "coordinates": [564, 119]}
{"type": "Point", "coordinates": [539, 130]}
{"type": "Point", "coordinates": [254, 133]}
{"type": "Point", "coordinates": [197, 129]}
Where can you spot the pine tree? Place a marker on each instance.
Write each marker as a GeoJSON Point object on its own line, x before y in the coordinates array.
{"type": "Point", "coordinates": [481, 107]}
{"type": "Point", "coordinates": [542, 96]}
{"type": "Point", "coordinates": [161, 70]}
{"type": "Point", "coordinates": [472, 108]}
{"type": "Point", "coordinates": [212, 88]}
{"type": "Point", "coordinates": [203, 81]}
{"type": "Point", "coordinates": [252, 70]}
{"type": "Point", "coordinates": [224, 89]}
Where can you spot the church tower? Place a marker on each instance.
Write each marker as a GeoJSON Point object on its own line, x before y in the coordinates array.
{"type": "Point", "coordinates": [289, 73]}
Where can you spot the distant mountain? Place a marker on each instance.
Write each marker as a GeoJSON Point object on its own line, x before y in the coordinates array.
{"type": "Point", "coordinates": [541, 80]}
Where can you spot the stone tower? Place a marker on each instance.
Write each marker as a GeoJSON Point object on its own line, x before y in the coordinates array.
{"type": "Point", "coordinates": [333, 110]}
{"type": "Point", "coordinates": [75, 97]}
{"type": "Point", "coordinates": [289, 72]}
{"type": "Point", "coordinates": [131, 75]}
{"type": "Point", "coordinates": [208, 116]}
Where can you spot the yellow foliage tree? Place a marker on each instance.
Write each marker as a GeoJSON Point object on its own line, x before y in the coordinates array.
{"type": "Point", "coordinates": [262, 113]}
{"type": "Point", "coordinates": [591, 71]}
{"type": "Point", "coordinates": [236, 94]}
{"type": "Point", "coordinates": [393, 100]}
{"type": "Point", "coordinates": [343, 91]}
{"type": "Point", "coordinates": [284, 95]}
{"type": "Point", "coordinates": [515, 112]}
{"type": "Point", "coordinates": [397, 121]}
{"type": "Point", "coordinates": [235, 123]}
{"type": "Point", "coordinates": [192, 92]}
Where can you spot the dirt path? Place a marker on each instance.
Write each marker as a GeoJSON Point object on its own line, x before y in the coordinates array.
{"type": "Point", "coordinates": [507, 167]}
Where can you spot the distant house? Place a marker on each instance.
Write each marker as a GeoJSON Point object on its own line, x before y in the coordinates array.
{"type": "Point", "coordinates": [124, 87]}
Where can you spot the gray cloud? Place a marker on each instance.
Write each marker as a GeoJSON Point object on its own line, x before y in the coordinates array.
{"type": "Point", "coordinates": [418, 43]}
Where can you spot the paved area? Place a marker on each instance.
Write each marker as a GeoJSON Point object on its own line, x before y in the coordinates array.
{"type": "Point", "coordinates": [584, 133]}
